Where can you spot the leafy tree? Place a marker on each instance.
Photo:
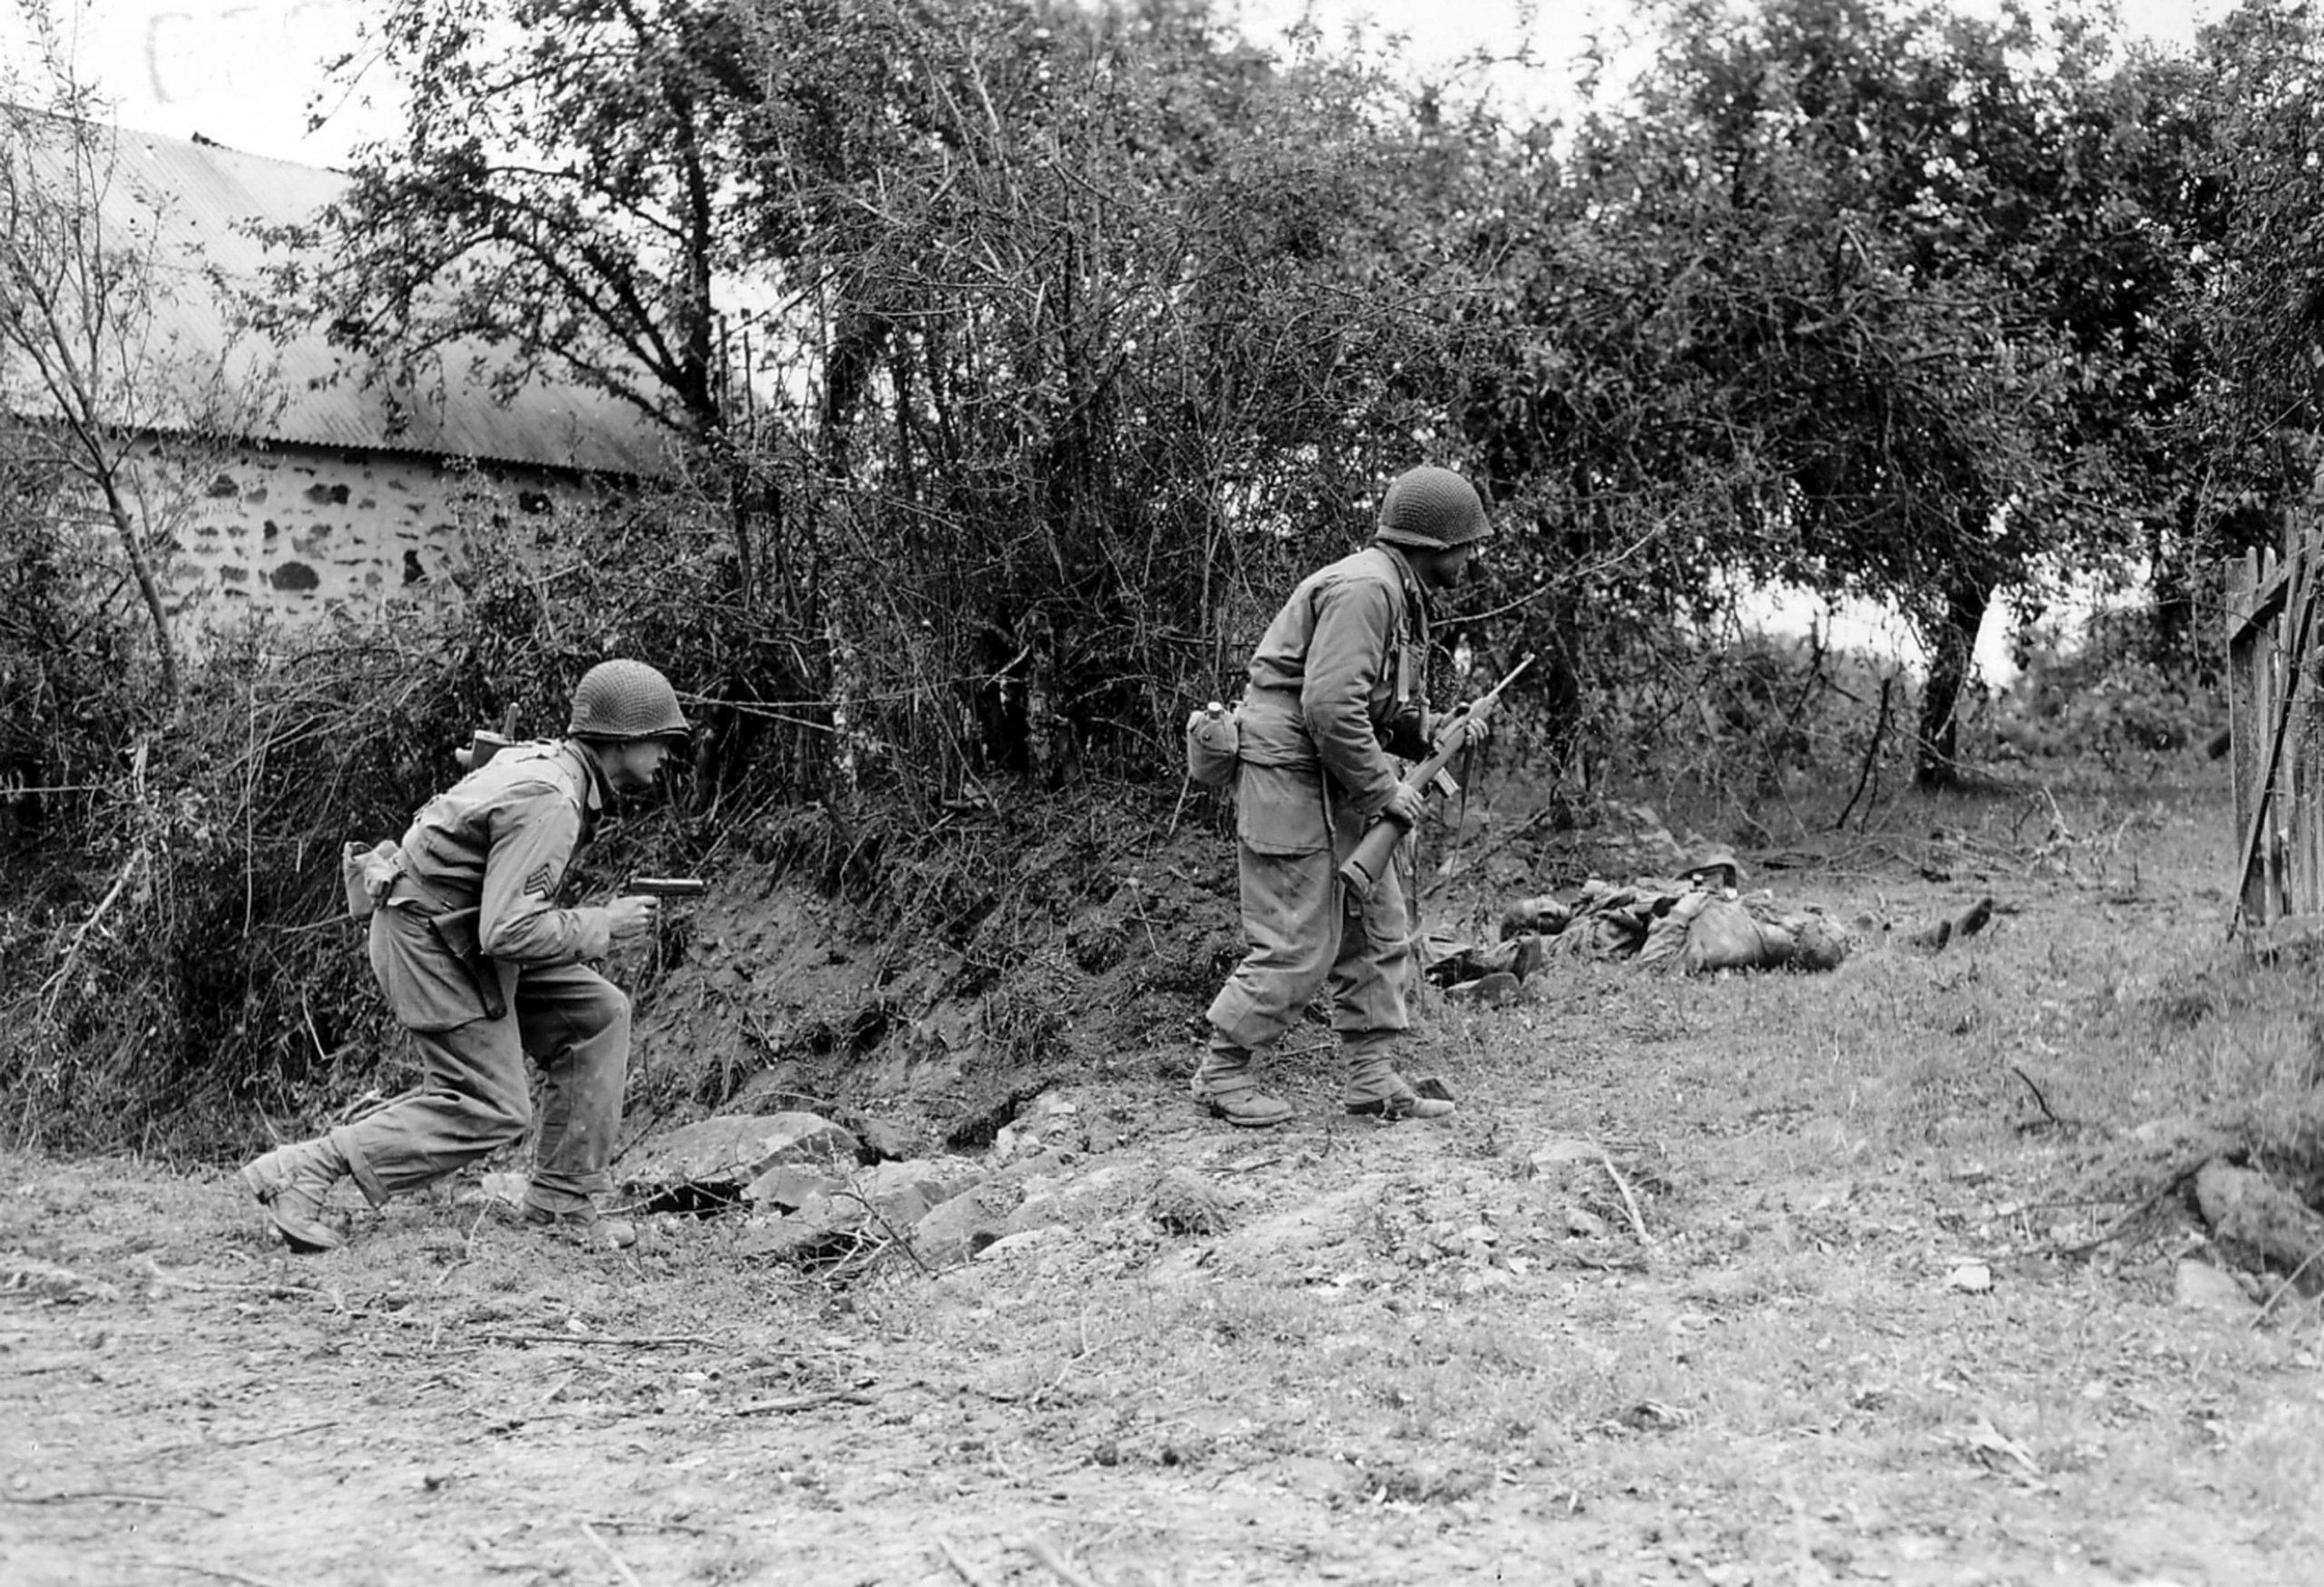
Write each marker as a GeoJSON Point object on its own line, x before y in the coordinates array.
{"type": "Point", "coordinates": [1105, 302]}
{"type": "Point", "coordinates": [1041, 319]}
{"type": "Point", "coordinates": [83, 383]}
{"type": "Point", "coordinates": [558, 195]}
{"type": "Point", "coordinates": [1870, 295]}
{"type": "Point", "coordinates": [2255, 161]}
{"type": "Point", "coordinates": [123, 375]}
{"type": "Point", "coordinates": [566, 201]}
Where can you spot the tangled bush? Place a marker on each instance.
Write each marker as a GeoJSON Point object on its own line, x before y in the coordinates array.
{"type": "Point", "coordinates": [174, 959]}
{"type": "Point", "coordinates": [1751, 720]}
{"type": "Point", "coordinates": [2104, 696]}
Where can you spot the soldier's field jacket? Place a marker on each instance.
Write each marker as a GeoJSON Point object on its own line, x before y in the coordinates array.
{"type": "Point", "coordinates": [482, 864]}
{"type": "Point", "coordinates": [1337, 690]}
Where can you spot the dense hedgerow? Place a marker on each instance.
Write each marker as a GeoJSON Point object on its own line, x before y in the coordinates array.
{"type": "Point", "coordinates": [174, 959]}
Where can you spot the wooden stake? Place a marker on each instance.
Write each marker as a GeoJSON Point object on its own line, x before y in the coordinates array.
{"type": "Point", "coordinates": [2303, 597]}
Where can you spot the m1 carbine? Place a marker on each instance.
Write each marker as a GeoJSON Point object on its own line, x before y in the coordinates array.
{"type": "Point", "coordinates": [1362, 869]}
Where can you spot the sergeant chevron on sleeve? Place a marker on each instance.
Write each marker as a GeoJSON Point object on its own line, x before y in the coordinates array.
{"type": "Point", "coordinates": [484, 968]}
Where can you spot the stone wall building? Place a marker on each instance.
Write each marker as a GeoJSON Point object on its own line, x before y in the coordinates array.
{"type": "Point", "coordinates": [327, 499]}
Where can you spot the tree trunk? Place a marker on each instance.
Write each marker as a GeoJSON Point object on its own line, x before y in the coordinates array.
{"type": "Point", "coordinates": [2172, 642]}
{"type": "Point", "coordinates": [149, 589]}
{"type": "Point", "coordinates": [1952, 638]}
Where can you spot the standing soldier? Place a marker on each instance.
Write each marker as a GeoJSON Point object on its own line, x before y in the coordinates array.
{"type": "Point", "coordinates": [483, 968]}
{"type": "Point", "coordinates": [1337, 687]}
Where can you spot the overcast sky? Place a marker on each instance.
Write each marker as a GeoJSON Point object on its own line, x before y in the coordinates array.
{"type": "Point", "coordinates": [243, 71]}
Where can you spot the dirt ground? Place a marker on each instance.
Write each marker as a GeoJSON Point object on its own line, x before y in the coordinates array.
{"type": "Point", "coordinates": [1747, 1280]}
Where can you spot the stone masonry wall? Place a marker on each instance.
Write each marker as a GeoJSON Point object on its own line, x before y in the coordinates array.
{"type": "Point", "coordinates": [298, 533]}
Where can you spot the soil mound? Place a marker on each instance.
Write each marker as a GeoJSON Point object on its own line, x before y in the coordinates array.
{"type": "Point", "coordinates": [928, 997]}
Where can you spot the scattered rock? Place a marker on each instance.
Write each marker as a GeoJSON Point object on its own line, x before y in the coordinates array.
{"type": "Point", "coordinates": [887, 1202]}
{"type": "Point", "coordinates": [788, 1186]}
{"type": "Point", "coordinates": [1026, 1242]}
{"type": "Point", "coordinates": [716, 1159]}
{"type": "Point", "coordinates": [1586, 1225]}
{"type": "Point", "coordinates": [960, 1227]}
{"type": "Point", "coordinates": [2199, 1286]}
{"type": "Point", "coordinates": [1556, 1156]}
{"type": "Point", "coordinates": [817, 1232]}
{"type": "Point", "coordinates": [1566, 1171]}
{"type": "Point", "coordinates": [1052, 1123]}
{"type": "Point", "coordinates": [882, 1142]}
{"type": "Point", "coordinates": [1016, 1108]}
{"type": "Point", "coordinates": [1282, 1241]}
{"type": "Point", "coordinates": [906, 1192]}
{"type": "Point", "coordinates": [2258, 1226]}
{"type": "Point", "coordinates": [22, 1275]}
{"type": "Point", "coordinates": [1081, 1200]}
{"type": "Point", "coordinates": [1971, 1279]}
{"type": "Point", "coordinates": [504, 1187]}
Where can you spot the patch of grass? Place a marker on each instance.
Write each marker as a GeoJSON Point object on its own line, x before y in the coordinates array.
{"type": "Point", "coordinates": [2277, 1460]}
{"type": "Point", "coordinates": [1857, 1337]}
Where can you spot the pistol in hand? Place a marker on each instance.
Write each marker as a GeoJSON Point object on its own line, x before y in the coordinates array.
{"type": "Point", "coordinates": [668, 886]}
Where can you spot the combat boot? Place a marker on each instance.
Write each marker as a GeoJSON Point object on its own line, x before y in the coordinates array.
{"type": "Point", "coordinates": [292, 1183]}
{"type": "Point", "coordinates": [1375, 1091]}
{"type": "Point", "coordinates": [1404, 1104]}
{"type": "Point", "coordinates": [1223, 1086]}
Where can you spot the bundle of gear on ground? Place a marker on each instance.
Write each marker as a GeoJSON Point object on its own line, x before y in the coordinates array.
{"type": "Point", "coordinates": [1694, 923]}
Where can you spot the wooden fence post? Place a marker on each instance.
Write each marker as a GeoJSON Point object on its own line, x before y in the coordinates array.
{"type": "Point", "coordinates": [2303, 809]}
{"type": "Point", "coordinates": [2275, 701]}
{"type": "Point", "coordinates": [2245, 711]}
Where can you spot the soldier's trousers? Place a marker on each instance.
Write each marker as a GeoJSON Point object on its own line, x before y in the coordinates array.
{"type": "Point", "coordinates": [475, 1094]}
{"type": "Point", "coordinates": [1305, 930]}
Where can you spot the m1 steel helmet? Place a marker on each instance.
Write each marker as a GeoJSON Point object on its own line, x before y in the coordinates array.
{"type": "Point", "coordinates": [626, 699]}
{"type": "Point", "coordinates": [1430, 509]}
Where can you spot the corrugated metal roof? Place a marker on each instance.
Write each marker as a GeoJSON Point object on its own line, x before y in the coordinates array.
{"type": "Point", "coordinates": [195, 202]}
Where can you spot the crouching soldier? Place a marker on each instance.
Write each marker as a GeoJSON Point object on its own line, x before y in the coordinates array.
{"type": "Point", "coordinates": [482, 966]}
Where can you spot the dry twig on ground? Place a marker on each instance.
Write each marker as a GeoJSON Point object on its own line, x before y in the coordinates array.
{"type": "Point", "coordinates": [968, 1572]}
{"type": "Point", "coordinates": [214, 1574]}
{"type": "Point", "coordinates": [2290, 1283]}
{"type": "Point", "coordinates": [1629, 1202]}
{"type": "Point", "coordinates": [1042, 1548]}
{"type": "Point", "coordinates": [109, 1496]}
{"type": "Point", "coordinates": [801, 1403]}
{"type": "Point", "coordinates": [631, 1341]}
{"type": "Point", "coordinates": [620, 1565]}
